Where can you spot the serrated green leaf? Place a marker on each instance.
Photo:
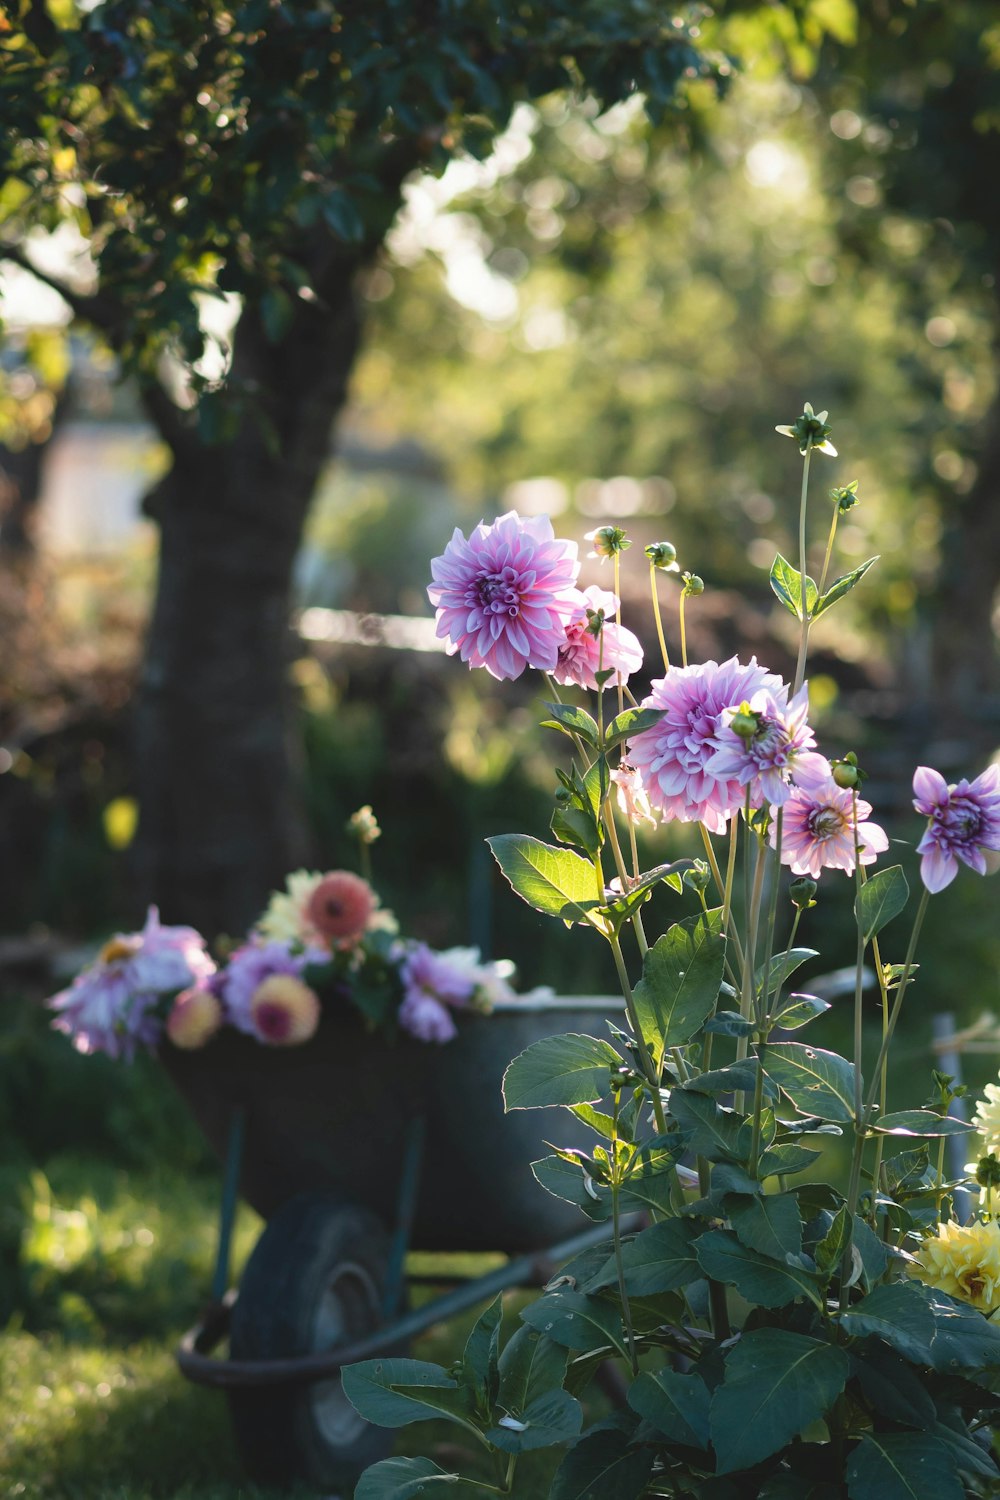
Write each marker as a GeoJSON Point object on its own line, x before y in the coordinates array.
{"type": "Point", "coordinates": [899, 1315]}
{"type": "Point", "coordinates": [786, 582]}
{"type": "Point", "coordinates": [902, 1466]}
{"type": "Point", "coordinates": [657, 1259]}
{"type": "Point", "coordinates": [570, 1069]}
{"type": "Point", "coordinates": [571, 825]}
{"type": "Point", "coordinates": [577, 1321]}
{"type": "Point", "coordinates": [969, 1457]}
{"type": "Point", "coordinates": [892, 1387]}
{"type": "Point", "coordinates": [798, 1010]}
{"type": "Point", "coordinates": [708, 1130]}
{"type": "Point", "coordinates": [785, 1158]}
{"type": "Point", "coordinates": [841, 586]}
{"type": "Point", "coordinates": [567, 1182]}
{"type": "Point", "coordinates": [735, 1077]}
{"type": "Point", "coordinates": [817, 1082]}
{"type": "Point", "coordinates": [681, 975]}
{"type": "Point", "coordinates": [757, 1278]}
{"type": "Point", "coordinates": [879, 900]}
{"type": "Point", "coordinates": [571, 720]}
{"type": "Point", "coordinates": [781, 967]}
{"type": "Point", "coordinates": [603, 1124]}
{"type": "Point", "coordinates": [552, 880]}
{"type": "Point", "coordinates": [769, 1224]}
{"type": "Point", "coordinates": [922, 1123]}
{"type": "Point", "coordinates": [632, 721]}
{"type": "Point", "coordinates": [776, 1383]}
{"type": "Point", "coordinates": [963, 1339]}
{"type": "Point", "coordinates": [676, 1405]}
{"type": "Point", "coordinates": [603, 1464]}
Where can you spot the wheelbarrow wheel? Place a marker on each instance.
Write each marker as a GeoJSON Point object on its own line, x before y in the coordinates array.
{"type": "Point", "coordinates": [313, 1282]}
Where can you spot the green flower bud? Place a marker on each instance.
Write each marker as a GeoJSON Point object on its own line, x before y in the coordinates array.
{"type": "Point", "coordinates": [810, 431]}
{"type": "Point", "coordinates": [663, 555]}
{"type": "Point", "coordinates": [803, 892]}
{"type": "Point", "coordinates": [595, 622]}
{"type": "Point", "coordinates": [697, 878]}
{"type": "Point", "coordinates": [846, 497]}
{"type": "Point", "coordinates": [847, 773]}
{"type": "Point", "coordinates": [363, 825]}
{"type": "Point", "coordinates": [745, 722]}
{"type": "Point", "coordinates": [693, 584]}
{"type": "Point", "coordinates": [608, 540]}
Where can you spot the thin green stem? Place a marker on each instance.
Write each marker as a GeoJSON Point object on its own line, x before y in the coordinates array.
{"type": "Point", "coordinates": [748, 988]}
{"type": "Point", "coordinates": [800, 666]}
{"type": "Point", "coordinates": [649, 1068]}
{"type": "Point", "coordinates": [618, 622]}
{"type": "Point", "coordinates": [829, 549]}
{"type": "Point", "coordinates": [859, 961]}
{"type": "Point", "coordinates": [725, 889]}
{"type": "Point", "coordinates": [883, 1078]}
{"type": "Point", "coordinates": [680, 611]}
{"type": "Point", "coordinates": [616, 1229]}
{"type": "Point", "coordinates": [656, 616]}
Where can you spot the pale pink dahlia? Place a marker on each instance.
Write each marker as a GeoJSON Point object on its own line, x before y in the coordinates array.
{"type": "Point", "coordinates": [194, 1018]}
{"type": "Point", "coordinates": [284, 1011]}
{"type": "Point", "coordinates": [775, 747]}
{"type": "Point", "coordinates": [964, 820]}
{"type": "Point", "coordinates": [248, 969]}
{"type": "Point", "coordinates": [340, 909]}
{"type": "Point", "coordinates": [583, 654]}
{"type": "Point", "coordinates": [818, 831]}
{"type": "Point", "coordinates": [505, 597]}
{"type": "Point", "coordinates": [673, 757]}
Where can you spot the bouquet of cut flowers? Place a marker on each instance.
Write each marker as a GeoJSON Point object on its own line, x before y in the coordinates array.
{"type": "Point", "coordinates": [324, 941]}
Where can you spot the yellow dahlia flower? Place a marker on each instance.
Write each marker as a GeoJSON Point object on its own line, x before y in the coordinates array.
{"type": "Point", "coordinates": [987, 1119]}
{"type": "Point", "coordinates": [964, 1261]}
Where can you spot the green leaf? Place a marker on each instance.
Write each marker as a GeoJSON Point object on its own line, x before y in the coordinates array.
{"type": "Point", "coordinates": [599, 1122]}
{"type": "Point", "coordinates": [368, 1388]}
{"type": "Point", "coordinates": [817, 1082]}
{"type": "Point", "coordinates": [729, 1023]}
{"type": "Point", "coordinates": [776, 1383]}
{"type": "Point", "coordinates": [658, 1259]}
{"type": "Point", "coordinates": [921, 1122]}
{"type": "Point", "coordinates": [733, 1078]}
{"type": "Point", "coordinates": [892, 1387]}
{"type": "Point", "coordinates": [786, 582]}
{"type": "Point", "coordinates": [898, 1314]}
{"type": "Point", "coordinates": [963, 1339]}
{"type": "Point", "coordinates": [480, 1360]}
{"type": "Point", "coordinates": [879, 900]}
{"type": "Point", "coordinates": [651, 1176]}
{"type": "Point", "coordinates": [570, 1069]}
{"type": "Point", "coordinates": [341, 213]}
{"type": "Point", "coordinates": [571, 720]}
{"type": "Point", "coordinates": [571, 825]}
{"type": "Point", "coordinates": [565, 1181]}
{"type": "Point", "coordinates": [677, 1406]}
{"type": "Point", "coordinates": [681, 975]}
{"type": "Point", "coordinates": [551, 1417]}
{"type": "Point", "coordinates": [902, 1466]}
{"type": "Point", "coordinates": [769, 1224]}
{"type": "Point", "coordinates": [782, 967]}
{"type": "Point", "coordinates": [406, 1478]}
{"type": "Point", "coordinates": [646, 882]}
{"type": "Point", "coordinates": [756, 1277]}
{"type": "Point", "coordinates": [577, 1321]}
{"type": "Point", "coordinates": [707, 1129]}
{"type": "Point", "coordinates": [530, 1365]}
{"type": "Point", "coordinates": [785, 1158]}
{"type": "Point", "coordinates": [603, 1466]}
{"type": "Point", "coordinates": [595, 785]}
{"type": "Point", "coordinates": [969, 1457]}
{"type": "Point", "coordinates": [632, 721]}
{"type": "Point", "coordinates": [834, 1245]}
{"type": "Point", "coordinates": [841, 586]}
{"type": "Point", "coordinates": [798, 1010]}
{"type": "Point", "coordinates": [552, 880]}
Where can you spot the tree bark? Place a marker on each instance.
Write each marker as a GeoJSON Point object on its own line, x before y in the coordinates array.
{"type": "Point", "coordinates": [218, 827]}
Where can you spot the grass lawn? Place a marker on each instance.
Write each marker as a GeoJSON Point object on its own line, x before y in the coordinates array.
{"type": "Point", "coordinates": [113, 1265]}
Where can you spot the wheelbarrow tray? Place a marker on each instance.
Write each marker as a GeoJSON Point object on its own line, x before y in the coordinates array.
{"type": "Point", "coordinates": [336, 1112]}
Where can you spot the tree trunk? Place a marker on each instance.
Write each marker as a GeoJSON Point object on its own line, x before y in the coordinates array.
{"type": "Point", "coordinates": [218, 826]}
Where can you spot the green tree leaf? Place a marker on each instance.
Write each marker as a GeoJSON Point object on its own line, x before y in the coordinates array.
{"type": "Point", "coordinates": [571, 720]}
{"type": "Point", "coordinates": [798, 1010]}
{"type": "Point", "coordinates": [898, 1314]}
{"type": "Point", "coordinates": [781, 967]}
{"type": "Point", "coordinates": [571, 825]}
{"type": "Point", "coordinates": [681, 976]}
{"type": "Point", "coordinates": [921, 1122]}
{"type": "Point", "coordinates": [902, 1466]}
{"type": "Point", "coordinates": [632, 721]}
{"type": "Point", "coordinates": [841, 586]}
{"type": "Point", "coordinates": [769, 1224]}
{"type": "Point", "coordinates": [564, 1180]}
{"type": "Point", "coordinates": [577, 1321]}
{"type": "Point", "coordinates": [369, 1388]}
{"type": "Point", "coordinates": [756, 1277]}
{"type": "Point", "coordinates": [879, 900]}
{"type": "Point", "coordinates": [785, 1158]}
{"type": "Point", "coordinates": [530, 1365]}
{"type": "Point", "coordinates": [892, 1387]}
{"type": "Point", "coordinates": [776, 1383]}
{"type": "Point", "coordinates": [834, 1245]}
{"type": "Point", "coordinates": [570, 1069]}
{"type": "Point", "coordinates": [552, 880]}
{"type": "Point", "coordinates": [963, 1339]}
{"type": "Point", "coordinates": [406, 1478]}
{"type": "Point", "coordinates": [677, 1405]}
{"type": "Point", "coordinates": [604, 1465]}
{"type": "Point", "coordinates": [657, 1259]}
{"type": "Point", "coordinates": [786, 582]}
{"type": "Point", "coordinates": [550, 1417]}
{"type": "Point", "coordinates": [817, 1082]}
{"type": "Point", "coordinates": [708, 1130]}
{"type": "Point", "coordinates": [481, 1358]}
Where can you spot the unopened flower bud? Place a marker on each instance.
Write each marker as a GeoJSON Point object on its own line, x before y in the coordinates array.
{"type": "Point", "coordinates": [803, 892]}
{"type": "Point", "coordinates": [363, 825]}
{"type": "Point", "coordinates": [693, 584]}
{"type": "Point", "coordinates": [811, 430]}
{"type": "Point", "coordinates": [622, 1078]}
{"type": "Point", "coordinates": [745, 722]}
{"type": "Point", "coordinates": [845, 497]}
{"type": "Point", "coordinates": [595, 622]}
{"type": "Point", "coordinates": [697, 879]}
{"type": "Point", "coordinates": [988, 1172]}
{"type": "Point", "coordinates": [607, 540]}
{"type": "Point", "coordinates": [663, 555]}
{"type": "Point", "coordinates": [847, 773]}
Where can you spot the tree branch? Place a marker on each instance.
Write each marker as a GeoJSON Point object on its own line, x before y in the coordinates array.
{"type": "Point", "coordinates": [180, 435]}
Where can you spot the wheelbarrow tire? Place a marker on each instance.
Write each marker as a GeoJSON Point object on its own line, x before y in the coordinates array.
{"type": "Point", "coordinates": [314, 1281]}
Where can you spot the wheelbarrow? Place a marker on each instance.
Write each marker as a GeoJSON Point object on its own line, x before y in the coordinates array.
{"type": "Point", "coordinates": [356, 1150]}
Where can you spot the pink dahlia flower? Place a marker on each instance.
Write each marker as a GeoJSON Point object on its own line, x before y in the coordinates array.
{"type": "Point", "coordinates": [777, 749]}
{"type": "Point", "coordinates": [818, 831]}
{"type": "Point", "coordinates": [284, 1011]}
{"type": "Point", "coordinates": [963, 821]}
{"type": "Point", "coordinates": [633, 803]}
{"type": "Point", "coordinates": [194, 1018]}
{"type": "Point", "coordinates": [250, 966]}
{"type": "Point", "coordinates": [582, 654]}
{"type": "Point", "coordinates": [505, 597]}
{"type": "Point", "coordinates": [340, 909]}
{"type": "Point", "coordinates": [674, 756]}
{"type": "Point", "coordinates": [108, 1008]}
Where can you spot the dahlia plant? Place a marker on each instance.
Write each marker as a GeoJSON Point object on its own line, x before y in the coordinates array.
{"type": "Point", "coordinates": [324, 941]}
{"type": "Point", "coordinates": [777, 1336]}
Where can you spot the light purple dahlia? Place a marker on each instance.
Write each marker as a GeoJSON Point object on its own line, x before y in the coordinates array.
{"type": "Point", "coordinates": [674, 756]}
{"type": "Point", "coordinates": [779, 749]}
{"type": "Point", "coordinates": [964, 819]}
{"type": "Point", "coordinates": [818, 831]}
{"type": "Point", "coordinates": [431, 984]}
{"type": "Point", "coordinates": [505, 597]}
{"type": "Point", "coordinates": [108, 1008]}
{"type": "Point", "coordinates": [246, 971]}
{"type": "Point", "coordinates": [582, 654]}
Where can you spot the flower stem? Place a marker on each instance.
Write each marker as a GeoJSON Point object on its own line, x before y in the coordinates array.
{"type": "Point", "coordinates": [829, 549]}
{"type": "Point", "coordinates": [649, 1068]}
{"type": "Point", "coordinates": [616, 1228]}
{"type": "Point", "coordinates": [656, 616]}
{"type": "Point", "coordinates": [800, 666]}
{"type": "Point", "coordinates": [618, 622]}
{"type": "Point", "coordinates": [725, 888]}
{"type": "Point", "coordinates": [680, 612]}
